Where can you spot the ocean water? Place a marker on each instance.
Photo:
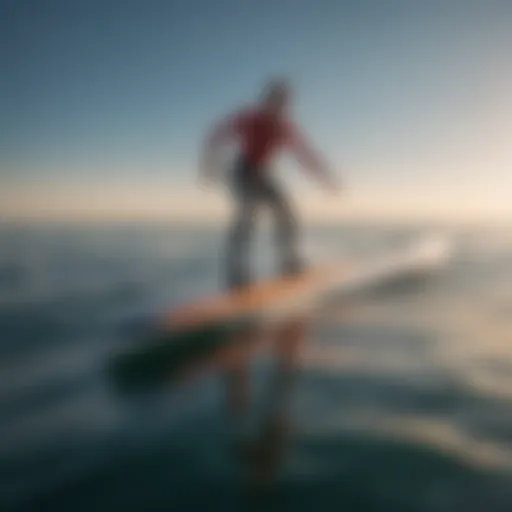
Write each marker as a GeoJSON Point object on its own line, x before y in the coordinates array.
{"type": "Point", "coordinates": [401, 402]}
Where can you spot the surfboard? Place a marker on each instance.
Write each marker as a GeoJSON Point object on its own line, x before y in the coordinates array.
{"type": "Point", "coordinates": [173, 338]}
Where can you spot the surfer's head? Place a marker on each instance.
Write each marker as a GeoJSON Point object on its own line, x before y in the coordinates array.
{"type": "Point", "coordinates": [277, 95]}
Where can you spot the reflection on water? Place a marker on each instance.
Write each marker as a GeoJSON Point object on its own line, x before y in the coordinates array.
{"type": "Point", "coordinates": [400, 402]}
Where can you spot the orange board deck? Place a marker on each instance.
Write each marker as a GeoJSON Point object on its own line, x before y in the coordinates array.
{"type": "Point", "coordinates": [232, 304]}
{"type": "Point", "coordinates": [195, 331]}
{"type": "Point", "coordinates": [174, 338]}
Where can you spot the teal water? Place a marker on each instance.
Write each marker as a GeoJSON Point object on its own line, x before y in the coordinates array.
{"type": "Point", "coordinates": [404, 402]}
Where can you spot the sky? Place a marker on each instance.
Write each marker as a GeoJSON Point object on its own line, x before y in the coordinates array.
{"type": "Point", "coordinates": [104, 104]}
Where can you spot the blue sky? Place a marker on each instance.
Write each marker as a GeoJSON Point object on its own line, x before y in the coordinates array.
{"type": "Point", "coordinates": [399, 95]}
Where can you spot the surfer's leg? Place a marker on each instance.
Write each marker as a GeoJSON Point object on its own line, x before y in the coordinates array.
{"type": "Point", "coordinates": [286, 229]}
{"type": "Point", "coordinates": [238, 271]}
{"type": "Point", "coordinates": [238, 246]}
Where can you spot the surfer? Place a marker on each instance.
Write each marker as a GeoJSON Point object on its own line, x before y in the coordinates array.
{"type": "Point", "coordinates": [262, 130]}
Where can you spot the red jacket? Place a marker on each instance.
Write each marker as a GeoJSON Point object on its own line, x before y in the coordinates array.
{"type": "Point", "coordinates": [262, 136]}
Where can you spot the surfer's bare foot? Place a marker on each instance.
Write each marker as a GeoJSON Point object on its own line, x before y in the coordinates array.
{"type": "Point", "coordinates": [293, 267]}
{"type": "Point", "coordinates": [236, 282]}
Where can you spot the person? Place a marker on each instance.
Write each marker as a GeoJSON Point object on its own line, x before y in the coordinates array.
{"type": "Point", "coordinates": [261, 130]}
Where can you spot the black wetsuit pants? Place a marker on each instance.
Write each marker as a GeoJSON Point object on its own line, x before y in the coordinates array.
{"type": "Point", "coordinates": [253, 188]}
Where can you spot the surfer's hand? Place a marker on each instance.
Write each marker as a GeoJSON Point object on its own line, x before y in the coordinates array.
{"type": "Point", "coordinates": [208, 175]}
{"type": "Point", "coordinates": [210, 170]}
{"type": "Point", "coordinates": [207, 180]}
{"type": "Point", "coordinates": [331, 184]}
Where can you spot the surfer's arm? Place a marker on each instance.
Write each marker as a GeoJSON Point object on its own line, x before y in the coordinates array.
{"type": "Point", "coordinates": [307, 157]}
{"type": "Point", "coordinates": [221, 132]}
